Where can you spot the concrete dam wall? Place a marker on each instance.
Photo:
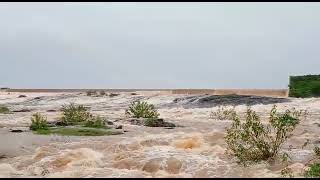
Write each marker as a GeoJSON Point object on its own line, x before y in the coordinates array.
{"type": "Point", "coordinates": [253, 92]}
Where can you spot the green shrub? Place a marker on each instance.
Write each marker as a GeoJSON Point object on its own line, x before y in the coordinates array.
{"type": "Point", "coordinates": [74, 114]}
{"type": "Point", "coordinates": [304, 86]}
{"type": "Point", "coordinates": [251, 141]}
{"type": "Point", "coordinates": [139, 109]}
{"type": "Point", "coordinates": [38, 122]}
{"type": "Point", "coordinates": [95, 122]}
{"type": "Point", "coordinates": [222, 114]}
{"type": "Point", "coordinates": [314, 171]}
{"type": "Point", "coordinates": [4, 109]}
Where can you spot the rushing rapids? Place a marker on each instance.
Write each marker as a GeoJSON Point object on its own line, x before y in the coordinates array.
{"type": "Point", "coordinates": [196, 149]}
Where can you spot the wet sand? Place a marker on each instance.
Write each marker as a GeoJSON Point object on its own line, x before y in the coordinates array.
{"type": "Point", "coordinates": [195, 150]}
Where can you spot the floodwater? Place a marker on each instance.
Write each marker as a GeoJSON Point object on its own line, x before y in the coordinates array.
{"type": "Point", "coordinates": [197, 149]}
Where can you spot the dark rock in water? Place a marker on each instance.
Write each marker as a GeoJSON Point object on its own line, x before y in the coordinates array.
{"type": "Point", "coordinates": [133, 94]}
{"type": "Point", "coordinates": [51, 110]}
{"type": "Point", "coordinates": [16, 130]}
{"type": "Point", "coordinates": [138, 122]}
{"type": "Point", "coordinates": [22, 110]}
{"type": "Point", "coordinates": [37, 98]}
{"type": "Point", "coordinates": [102, 93]}
{"type": "Point", "coordinates": [316, 142]}
{"type": "Point", "coordinates": [207, 101]}
{"type": "Point", "coordinates": [118, 127]}
{"type": "Point", "coordinates": [91, 93]}
{"type": "Point", "coordinates": [151, 122]}
{"type": "Point", "coordinates": [158, 123]}
{"type": "Point", "coordinates": [51, 124]}
{"type": "Point", "coordinates": [22, 96]}
{"type": "Point", "coordinates": [109, 122]}
{"type": "Point", "coordinates": [58, 123]}
{"type": "Point", "coordinates": [113, 94]}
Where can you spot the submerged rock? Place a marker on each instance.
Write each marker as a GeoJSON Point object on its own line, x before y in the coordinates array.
{"type": "Point", "coordinates": [173, 165]}
{"type": "Point", "coordinates": [127, 163]}
{"type": "Point", "coordinates": [22, 110]}
{"type": "Point", "coordinates": [207, 101]}
{"type": "Point", "coordinates": [298, 169]}
{"type": "Point", "coordinates": [109, 122]}
{"type": "Point", "coordinates": [113, 94]}
{"type": "Point", "coordinates": [119, 127]}
{"type": "Point", "coordinates": [51, 110]}
{"type": "Point", "coordinates": [152, 165]}
{"type": "Point", "coordinates": [16, 130]}
{"type": "Point", "coordinates": [151, 122]}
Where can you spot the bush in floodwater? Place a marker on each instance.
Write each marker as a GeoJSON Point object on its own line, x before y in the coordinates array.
{"type": "Point", "coordinates": [38, 122]}
{"type": "Point", "coordinates": [222, 114]}
{"type": "Point", "coordinates": [95, 122]}
{"type": "Point", "coordinates": [4, 109]}
{"type": "Point", "coordinates": [140, 109]}
{"type": "Point", "coordinates": [74, 114]}
{"type": "Point", "coordinates": [251, 141]}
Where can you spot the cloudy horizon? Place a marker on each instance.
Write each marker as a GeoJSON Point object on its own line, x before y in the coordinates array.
{"type": "Point", "coordinates": [157, 45]}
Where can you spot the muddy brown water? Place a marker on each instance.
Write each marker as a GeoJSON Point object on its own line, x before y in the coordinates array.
{"type": "Point", "coordinates": [195, 150]}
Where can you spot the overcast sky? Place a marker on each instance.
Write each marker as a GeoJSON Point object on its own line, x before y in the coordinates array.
{"type": "Point", "coordinates": [157, 45]}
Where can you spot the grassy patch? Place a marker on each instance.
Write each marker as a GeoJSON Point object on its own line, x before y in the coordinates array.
{"type": "Point", "coordinates": [76, 121]}
{"type": "Point", "coordinates": [4, 110]}
{"type": "Point", "coordinates": [77, 131]}
{"type": "Point", "coordinates": [95, 122]}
